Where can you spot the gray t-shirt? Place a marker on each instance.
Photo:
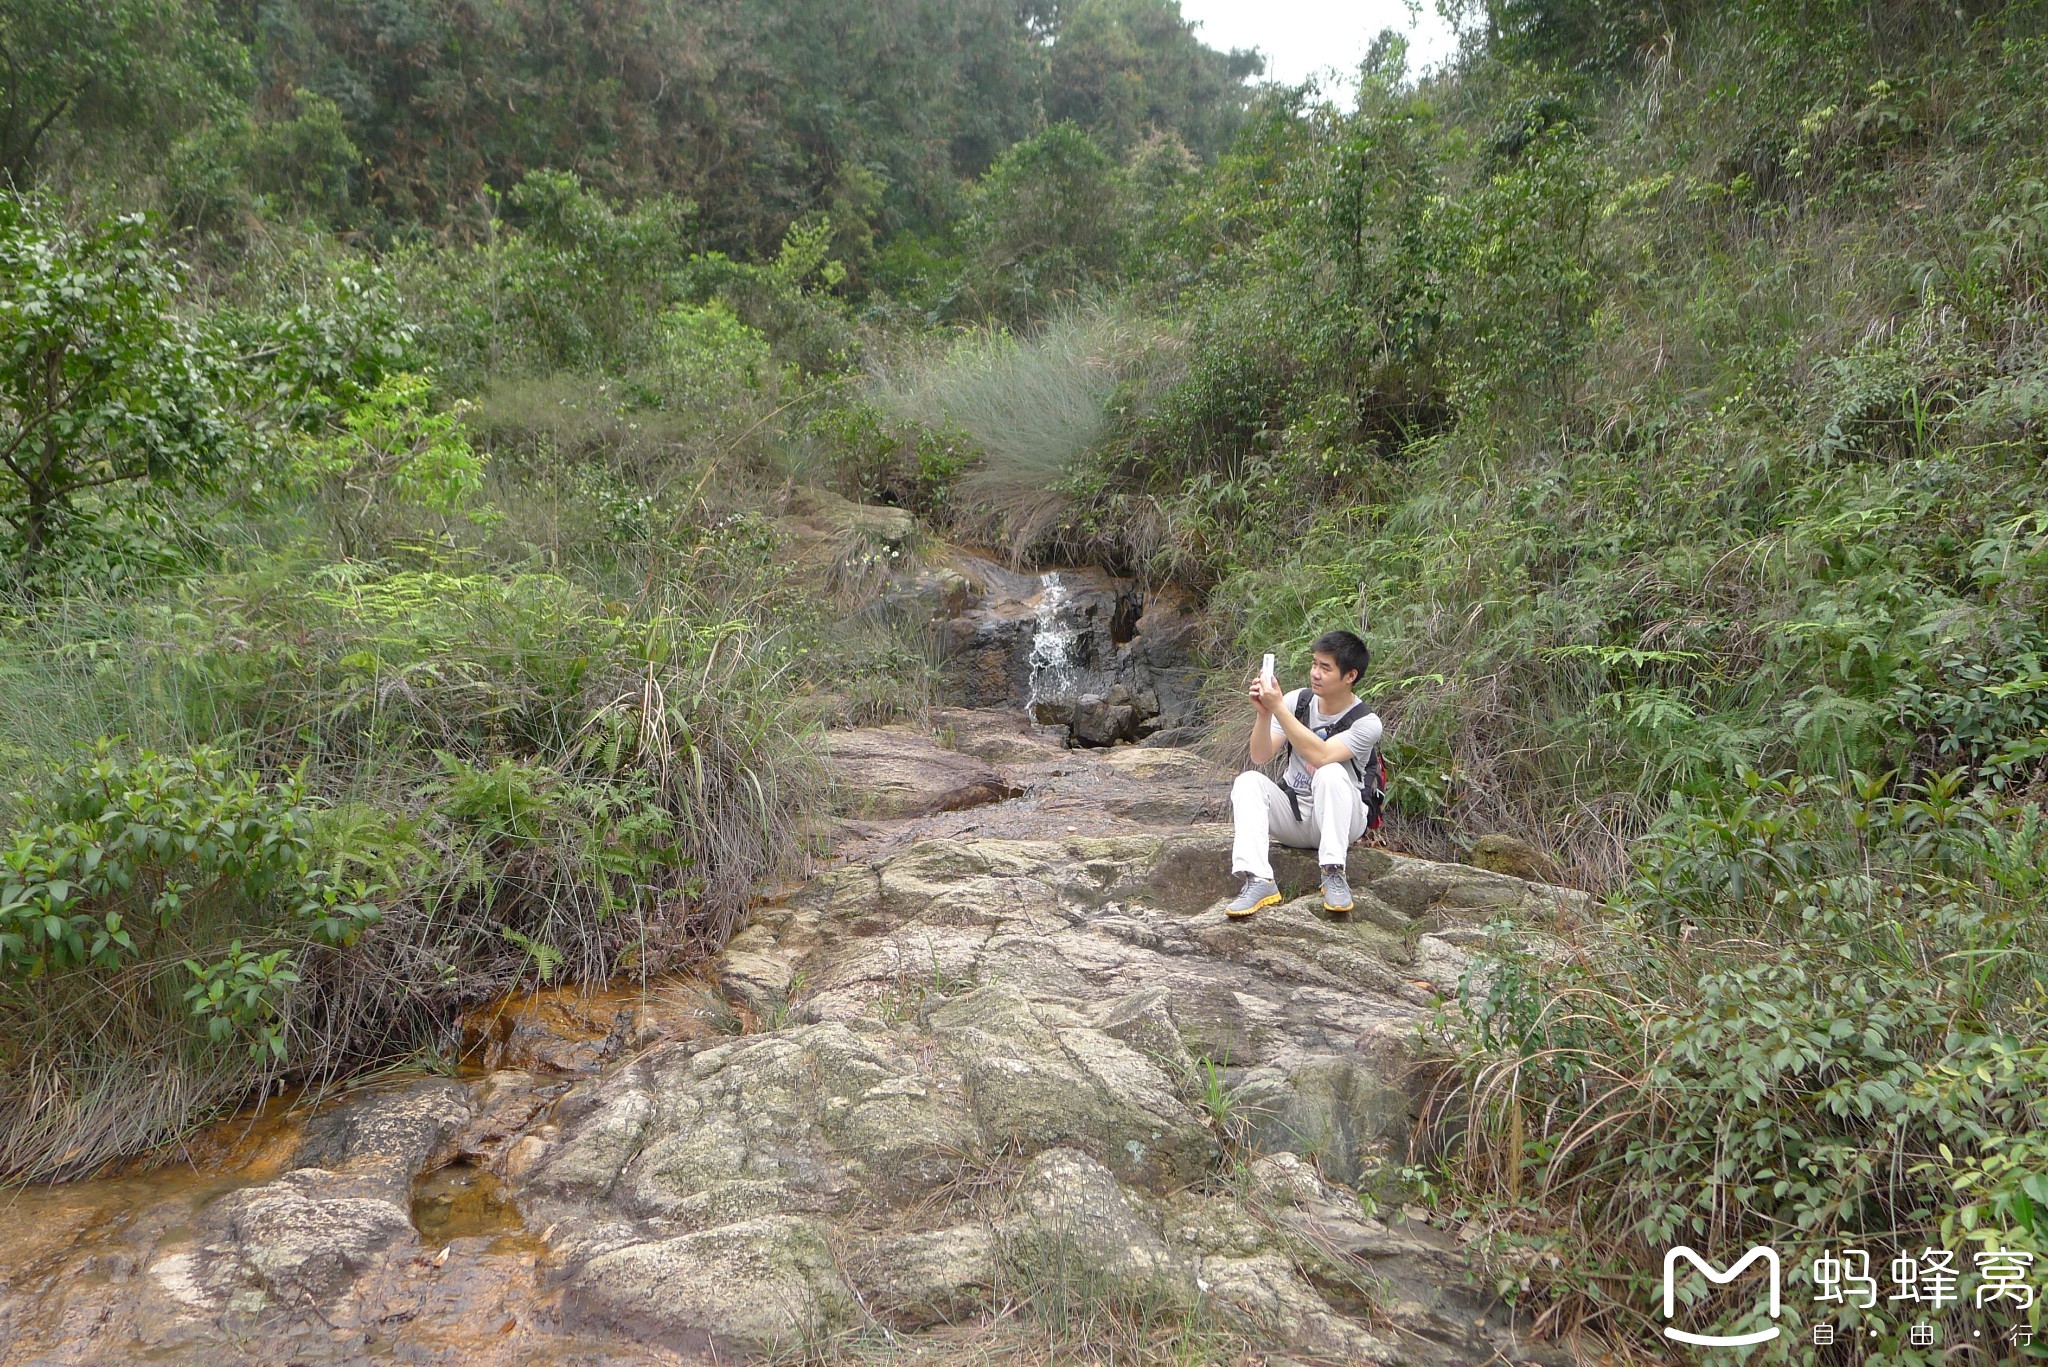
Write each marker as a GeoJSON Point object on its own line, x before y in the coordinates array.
{"type": "Point", "coordinates": [1363, 736]}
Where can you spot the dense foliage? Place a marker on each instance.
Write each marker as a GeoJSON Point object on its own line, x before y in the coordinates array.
{"type": "Point", "coordinates": [1664, 401]}
{"type": "Point", "coordinates": [100, 382]}
{"type": "Point", "coordinates": [1812, 1021]}
{"type": "Point", "coordinates": [397, 401]}
{"type": "Point", "coordinates": [388, 117]}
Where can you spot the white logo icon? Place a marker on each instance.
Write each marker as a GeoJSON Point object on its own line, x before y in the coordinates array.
{"type": "Point", "coordinates": [1718, 1278]}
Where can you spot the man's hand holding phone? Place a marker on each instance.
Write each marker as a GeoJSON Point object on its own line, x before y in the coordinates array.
{"type": "Point", "coordinates": [1265, 691]}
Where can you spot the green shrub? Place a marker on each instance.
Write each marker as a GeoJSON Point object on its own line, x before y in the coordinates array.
{"type": "Point", "coordinates": [572, 284]}
{"type": "Point", "coordinates": [1045, 228]}
{"type": "Point", "coordinates": [153, 912]}
{"type": "Point", "coordinates": [102, 384]}
{"type": "Point", "coordinates": [223, 174]}
{"type": "Point", "coordinates": [392, 456]}
{"type": "Point", "coordinates": [512, 775]}
{"type": "Point", "coordinates": [1812, 1021]}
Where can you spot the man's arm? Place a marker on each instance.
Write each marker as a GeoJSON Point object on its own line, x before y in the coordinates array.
{"type": "Point", "coordinates": [1264, 747]}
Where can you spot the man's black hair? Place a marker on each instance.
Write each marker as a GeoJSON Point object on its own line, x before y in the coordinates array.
{"type": "Point", "coordinates": [1346, 649]}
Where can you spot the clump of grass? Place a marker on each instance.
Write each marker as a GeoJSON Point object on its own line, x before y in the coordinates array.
{"type": "Point", "coordinates": [1066, 1311]}
{"type": "Point", "coordinates": [1030, 406]}
{"type": "Point", "coordinates": [1055, 1309]}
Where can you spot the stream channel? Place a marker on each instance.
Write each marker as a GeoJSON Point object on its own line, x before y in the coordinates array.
{"type": "Point", "coordinates": [974, 1043]}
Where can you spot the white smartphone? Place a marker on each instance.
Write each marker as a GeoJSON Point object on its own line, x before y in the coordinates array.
{"type": "Point", "coordinates": [1266, 672]}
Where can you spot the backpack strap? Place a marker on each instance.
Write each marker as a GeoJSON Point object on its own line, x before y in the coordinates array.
{"type": "Point", "coordinates": [1366, 769]}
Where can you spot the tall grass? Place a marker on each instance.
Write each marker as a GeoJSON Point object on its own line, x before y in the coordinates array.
{"type": "Point", "coordinates": [542, 776]}
{"type": "Point", "coordinates": [1030, 407]}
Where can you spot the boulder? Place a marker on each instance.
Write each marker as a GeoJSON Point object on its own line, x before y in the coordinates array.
{"type": "Point", "coordinates": [1145, 1021]}
{"type": "Point", "coordinates": [304, 1237]}
{"type": "Point", "coordinates": [1094, 720]}
{"type": "Point", "coordinates": [386, 1138]}
{"type": "Point", "coordinates": [1076, 1227]}
{"type": "Point", "coordinates": [1033, 1086]}
{"type": "Point", "coordinates": [806, 1119]}
{"type": "Point", "coordinates": [763, 1285]}
{"type": "Point", "coordinates": [1512, 856]}
{"type": "Point", "coordinates": [937, 1276]}
{"type": "Point", "coordinates": [1340, 1112]}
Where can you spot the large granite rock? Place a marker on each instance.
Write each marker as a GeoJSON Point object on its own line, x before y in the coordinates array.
{"type": "Point", "coordinates": [1011, 1063]}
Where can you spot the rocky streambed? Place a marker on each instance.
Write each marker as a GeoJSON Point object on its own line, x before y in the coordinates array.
{"type": "Point", "coordinates": [1005, 1066]}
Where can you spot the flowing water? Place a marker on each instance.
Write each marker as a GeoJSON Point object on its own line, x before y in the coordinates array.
{"type": "Point", "coordinates": [1053, 668]}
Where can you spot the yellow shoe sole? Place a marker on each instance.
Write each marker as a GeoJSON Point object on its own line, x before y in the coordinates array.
{"type": "Point", "coordinates": [1272, 901]}
{"type": "Point", "coordinates": [1329, 906]}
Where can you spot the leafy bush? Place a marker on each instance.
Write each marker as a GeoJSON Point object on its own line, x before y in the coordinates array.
{"type": "Point", "coordinates": [101, 383]}
{"type": "Point", "coordinates": [392, 456]}
{"type": "Point", "coordinates": [1046, 227]}
{"type": "Point", "coordinates": [1810, 1021]}
{"type": "Point", "coordinates": [304, 164]}
{"type": "Point", "coordinates": [571, 283]}
{"type": "Point", "coordinates": [513, 775]}
{"type": "Point", "coordinates": [127, 75]}
{"type": "Point", "coordinates": [153, 910]}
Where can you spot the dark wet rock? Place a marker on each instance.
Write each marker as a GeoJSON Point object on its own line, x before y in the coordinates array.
{"type": "Point", "coordinates": [1127, 668]}
{"type": "Point", "coordinates": [1094, 720]}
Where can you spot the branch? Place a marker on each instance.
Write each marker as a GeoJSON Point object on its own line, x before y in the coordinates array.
{"type": "Point", "coordinates": [13, 83]}
{"type": "Point", "coordinates": [47, 412]}
{"type": "Point", "coordinates": [114, 478]}
{"type": "Point", "coordinates": [35, 136]}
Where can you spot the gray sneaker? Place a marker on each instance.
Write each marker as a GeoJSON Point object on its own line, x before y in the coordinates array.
{"type": "Point", "coordinates": [1257, 892]}
{"type": "Point", "coordinates": [1336, 888]}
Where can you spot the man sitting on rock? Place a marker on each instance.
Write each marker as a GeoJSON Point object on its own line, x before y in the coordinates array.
{"type": "Point", "coordinates": [1331, 739]}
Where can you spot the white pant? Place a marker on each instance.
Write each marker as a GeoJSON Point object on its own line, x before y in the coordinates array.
{"type": "Point", "coordinates": [1332, 818]}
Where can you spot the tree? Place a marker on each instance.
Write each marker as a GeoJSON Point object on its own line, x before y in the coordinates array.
{"type": "Point", "coordinates": [147, 67]}
{"type": "Point", "coordinates": [1047, 223]}
{"type": "Point", "coordinates": [1121, 67]}
{"type": "Point", "coordinates": [101, 384]}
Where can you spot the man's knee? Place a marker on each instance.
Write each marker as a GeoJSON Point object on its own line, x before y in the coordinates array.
{"type": "Point", "coordinates": [1331, 779]}
{"type": "Point", "coordinates": [1247, 784]}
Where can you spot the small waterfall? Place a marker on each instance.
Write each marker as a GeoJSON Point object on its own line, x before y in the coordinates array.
{"type": "Point", "coordinates": [1053, 670]}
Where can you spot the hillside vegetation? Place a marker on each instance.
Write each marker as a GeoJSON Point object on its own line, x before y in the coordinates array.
{"type": "Point", "coordinates": [397, 400]}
